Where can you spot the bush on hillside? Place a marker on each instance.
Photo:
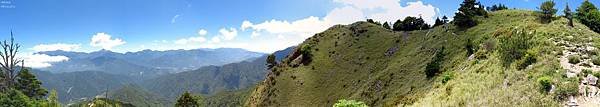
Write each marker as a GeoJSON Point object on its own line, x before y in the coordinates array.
{"type": "Point", "coordinates": [306, 50]}
{"type": "Point", "coordinates": [574, 59]}
{"type": "Point", "coordinates": [528, 59]}
{"type": "Point", "coordinates": [596, 60]}
{"type": "Point", "coordinates": [469, 47]}
{"type": "Point", "coordinates": [514, 46]}
{"type": "Point", "coordinates": [349, 103]}
{"type": "Point", "coordinates": [446, 78]}
{"type": "Point", "coordinates": [568, 87]}
{"type": "Point", "coordinates": [547, 10]}
{"type": "Point", "coordinates": [373, 21]}
{"type": "Point", "coordinates": [435, 65]}
{"type": "Point", "coordinates": [585, 72]}
{"type": "Point", "coordinates": [545, 83]}
{"type": "Point", "coordinates": [271, 61]}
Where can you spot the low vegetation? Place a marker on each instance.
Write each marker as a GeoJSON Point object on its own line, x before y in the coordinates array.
{"type": "Point", "coordinates": [349, 103]}
{"type": "Point", "coordinates": [574, 59]}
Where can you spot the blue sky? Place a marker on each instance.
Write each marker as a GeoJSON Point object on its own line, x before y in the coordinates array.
{"type": "Point", "coordinates": [255, 25]}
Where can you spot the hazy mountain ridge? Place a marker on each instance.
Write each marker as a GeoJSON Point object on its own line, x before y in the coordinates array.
{"type": "Point", "coordinates": [147, 62]}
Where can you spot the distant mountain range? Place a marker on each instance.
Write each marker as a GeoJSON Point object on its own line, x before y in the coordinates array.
{"type": "Point", "coordinates": [147, 63]}
{"type": "Point", "coordinates": [212, 79]}
{"type": "Point", "coordinates": [106, 72]}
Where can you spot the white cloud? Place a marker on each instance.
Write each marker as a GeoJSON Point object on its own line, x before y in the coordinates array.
{"type": "Point", "coordinates": [350, 12]}
{"type": "Point", "coordinates": [254, 34]}
{"type": "Point", "coordinates": [105, 41]}
{"type": "Point", "coordinates": [189, 40]}
{"type": "Point", "coordinates": [202, 32]}
{"type": "Point", "coordinates": [215, 39]}
{"type": "Point", "coordinates": [54, 47]}
{"type": "Point", "coordinates": [345, 15]}
{"type": "Point", "coordinates": [193, 40]}
{"type": "Point", "coordinates": [42, 60]}
{"type": "Point", "coordinates": [228, 34]}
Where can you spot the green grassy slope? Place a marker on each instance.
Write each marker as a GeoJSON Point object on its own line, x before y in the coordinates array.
{"type": "Point", "coordinates": [350, 62]}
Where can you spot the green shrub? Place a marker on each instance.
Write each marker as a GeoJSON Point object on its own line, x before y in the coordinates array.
{"type": "Point", "coordinates": [434, 66]}
{"type": "Point", "coordinates": [481, 54]}
{"type": "Point", "coordinates": [574, 59]}
{"type": "Point", "coordinates": [568, 87]}
{"type": "Point", "coordinates": [469, 47]}
{"type": "Point", "coordinates": [545, 83]}
{"type": "Point", "coordinates": [306, 50]}
{"type": "Point", "coordinates": [596, 74]}
{"type": "Point", "coordinates": [513, 47]}
{"type": "Point", "coordinates": [585, 72]}
{"type": "Point", "coordinates": [596, 60]}
{"type": "Point", "coordinates": [529, 59]}
{"type": "Point", "coordinates": [349, 103]}
{"type": "Point", "coordinates": [446, 78]}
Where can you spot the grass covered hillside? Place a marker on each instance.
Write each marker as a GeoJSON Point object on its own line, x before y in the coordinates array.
{"type": "Point", "coordinates": [508, 59]}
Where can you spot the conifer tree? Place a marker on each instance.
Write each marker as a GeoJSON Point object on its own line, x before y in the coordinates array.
{"type": "Point", "coordinates": [569, 15]}
{"type": "Point", "coordinates": [387, 26]}
{"type": "Point", "coordinates": [467, 11]}
{"type": "Point", "coordinates": [187, 100]}
{"type": "Point", "coordinates": [438, 22]}
{"type": "Point", "coordinates": [445, 19]}
{"type": "Point", "coordinates": [29, 85]}
{"type": "Point", "coordinates": [547, 11]}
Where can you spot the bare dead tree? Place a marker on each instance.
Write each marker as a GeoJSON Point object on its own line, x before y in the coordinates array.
{"type": "Point", "coordinates": [9, 62]}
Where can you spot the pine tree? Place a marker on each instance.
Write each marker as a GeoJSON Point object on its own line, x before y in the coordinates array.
{"type": "Point", "coordinates": [467, 11]}
{"type": "Point", "coordinates": [187, 100]}
{"type": "Point", "coordinates": [438, 22]}
{"type": "Point", "coordinates": [29, 85]}
{"type": "Point", "coordinates": [445, 19]}
{"type": "Point", "coordinates": [569, 15]}
{"type": "Point", "coordinates": [547, 11]}
{"type": "Point", "coordinates": [398, 25]}
{"type": "Point", "coordinates": [53, 99]}
{"type": "Point", "coordinates": [387, 26]}
{"type": "Point", "coordinates": [585, 8]}
{"type": "Point", "coordinates": [421, 25]}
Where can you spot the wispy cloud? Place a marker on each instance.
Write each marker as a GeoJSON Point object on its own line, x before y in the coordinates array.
{"type": "Point", "coordinates": [174, 19]}
{"type": "Point", "coordinates": [54, 47]}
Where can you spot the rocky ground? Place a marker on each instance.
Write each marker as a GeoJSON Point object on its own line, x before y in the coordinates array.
{"type": "Point", "coordinates": [588, 94]}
